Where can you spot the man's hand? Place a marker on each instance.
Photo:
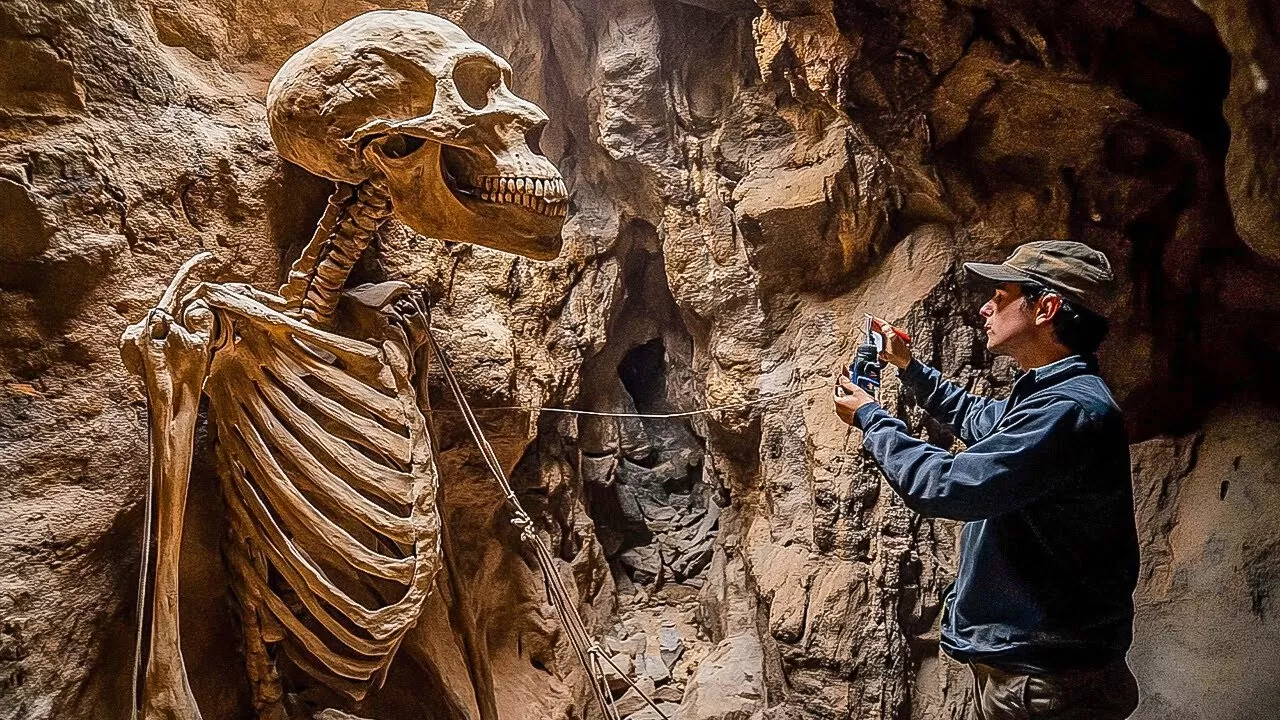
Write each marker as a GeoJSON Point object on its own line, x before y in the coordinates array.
{"type": "Point", "coordinates": [849, 398]}
{"type": "Point", "coordinates": [896, 350]}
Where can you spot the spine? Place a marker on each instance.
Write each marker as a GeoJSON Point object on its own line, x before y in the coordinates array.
{"type": "Point", "coordinates": [353, 217]}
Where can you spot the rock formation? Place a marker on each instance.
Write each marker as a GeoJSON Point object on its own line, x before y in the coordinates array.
{"type": "Point", "coordinates": [746, 179]}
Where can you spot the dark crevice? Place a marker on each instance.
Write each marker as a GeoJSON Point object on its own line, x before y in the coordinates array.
{"type": "Point", "coordinates": [643, 477]}
{"type": "Point", "coordinates": [643, 373]}
{"type": "Point", "coordinates": [1178, 74]}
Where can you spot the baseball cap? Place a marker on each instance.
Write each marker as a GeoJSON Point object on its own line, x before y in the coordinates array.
{"type": "Point", "coordinates": [1074, 270]}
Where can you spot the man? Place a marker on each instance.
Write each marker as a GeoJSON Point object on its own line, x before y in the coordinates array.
{"type": "Point", "coordinates": [1042, 606]}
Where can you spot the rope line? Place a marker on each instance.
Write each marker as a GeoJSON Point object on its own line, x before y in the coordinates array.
{"type": "Point", "coordinates": [142, 594]}
{"type": "Point", "coordinates": [584, 646]}
{"type": "Point", "coordinates": [762, 400]}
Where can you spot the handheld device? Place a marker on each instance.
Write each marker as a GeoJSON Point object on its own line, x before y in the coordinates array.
{"type": "Point", "coordinates": [864, 371]}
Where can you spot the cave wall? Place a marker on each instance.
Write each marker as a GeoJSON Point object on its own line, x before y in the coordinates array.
{"type": "Point", "coordinates": [747, 180]}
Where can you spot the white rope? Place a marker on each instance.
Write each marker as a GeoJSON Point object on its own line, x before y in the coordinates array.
{"type": "Point", "coordinates": [142, 592]}
{"type": "Point", "coordinates": [762, 400]}
{"type": "Point", "coordinates": [597, 653]}
{"type": "Point", "coordinates": [584, 647]}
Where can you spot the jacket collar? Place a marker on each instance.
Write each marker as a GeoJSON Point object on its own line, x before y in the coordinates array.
{"type": "Point", "coordinates": [1054, 373]}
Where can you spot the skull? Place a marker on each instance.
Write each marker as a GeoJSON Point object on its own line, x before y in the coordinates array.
{"type": "Point", "coordinates": [409, 96]}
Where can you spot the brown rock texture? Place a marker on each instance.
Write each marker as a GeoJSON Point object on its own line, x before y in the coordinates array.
{"type": "Point", "coordinates": [747, 179]}
{"type": "Point", "coordinates": [1246, 29]}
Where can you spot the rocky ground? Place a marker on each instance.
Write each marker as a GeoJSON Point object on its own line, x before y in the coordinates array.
{"type": "Point", "coordinates": [747, 180]}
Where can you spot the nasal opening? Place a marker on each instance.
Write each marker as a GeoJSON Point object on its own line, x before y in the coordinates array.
{"type": "Point", "coordinates": [534, 137]}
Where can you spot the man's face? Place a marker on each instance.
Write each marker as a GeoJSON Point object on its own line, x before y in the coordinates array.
{"type": "Point", "coordinates": [1010, 322]}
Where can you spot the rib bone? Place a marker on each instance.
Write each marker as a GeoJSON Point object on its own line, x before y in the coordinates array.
{"type": "Point", "coordinates": [303, 493]}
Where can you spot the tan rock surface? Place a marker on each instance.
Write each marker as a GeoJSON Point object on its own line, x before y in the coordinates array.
{"type": "Point", "coordinates": [746, 181]}
{"type": "Point", "coordinates": [1212, 568]}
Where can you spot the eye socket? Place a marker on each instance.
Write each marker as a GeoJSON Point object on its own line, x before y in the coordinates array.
{"type": "Point", "coordinates": [400, 146]}
{"type": "Point", "coordinates": [475, 79]}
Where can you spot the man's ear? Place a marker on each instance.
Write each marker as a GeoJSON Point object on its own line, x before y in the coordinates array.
{"type": "Point", "coordinates": [1047, 308]}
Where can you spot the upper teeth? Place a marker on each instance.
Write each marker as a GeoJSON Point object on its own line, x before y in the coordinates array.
{"type": "Point", "coordinates": [544, 195]}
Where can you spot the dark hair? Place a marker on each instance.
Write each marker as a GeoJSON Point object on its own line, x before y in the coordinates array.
{"type": "Point", "coordinates": [1080, 329]}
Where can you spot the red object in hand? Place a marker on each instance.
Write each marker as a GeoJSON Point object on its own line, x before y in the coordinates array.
{"type": "Point", "coordinates": [879, 327]}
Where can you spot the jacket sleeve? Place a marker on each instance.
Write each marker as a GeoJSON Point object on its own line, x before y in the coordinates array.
{"type": "Point", "coordinates": [1001, 473]}
{"type": "Point", "coordinates": [969, 416]}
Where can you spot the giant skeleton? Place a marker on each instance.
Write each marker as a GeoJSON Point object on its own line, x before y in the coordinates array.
{"type": "Point", "coordinates": [322, 445]}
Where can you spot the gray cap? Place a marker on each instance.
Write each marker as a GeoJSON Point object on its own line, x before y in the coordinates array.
{"type": "Point", "coordinates": [1074, 270]}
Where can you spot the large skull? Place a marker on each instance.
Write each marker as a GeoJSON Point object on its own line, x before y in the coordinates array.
{"type": "Point", "coordinates": [411, 96]}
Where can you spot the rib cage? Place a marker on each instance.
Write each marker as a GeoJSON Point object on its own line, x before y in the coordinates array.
{"type": "Point", "coordinates": [329, 481]}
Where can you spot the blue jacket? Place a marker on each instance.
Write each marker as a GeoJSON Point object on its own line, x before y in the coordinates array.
{"type": "Point", "coordinates": [1049, 550]}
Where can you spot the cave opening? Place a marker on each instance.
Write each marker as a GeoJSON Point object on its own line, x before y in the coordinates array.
{"type": "Point", "coordinates": [643, 374]}
{"type": "Point", "coordinates": [1181, 76]}
{"type": "Point", "coordinates": [643, 476]}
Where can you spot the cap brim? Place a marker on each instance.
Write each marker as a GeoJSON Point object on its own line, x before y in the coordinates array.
{"type": "Point", "coordinates": [996, 273]}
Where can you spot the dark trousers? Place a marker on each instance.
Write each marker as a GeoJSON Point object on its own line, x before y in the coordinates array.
{"type": "Point", "coordinates": [1109, 692]}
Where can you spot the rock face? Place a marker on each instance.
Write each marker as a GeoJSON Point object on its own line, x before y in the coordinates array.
{"type": "Point", "coordinates": [1250, 109]}
{"type": "Point", "coordinates": [747, 179]}
{"type": "Point", "coordinates": [1209, 586]}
